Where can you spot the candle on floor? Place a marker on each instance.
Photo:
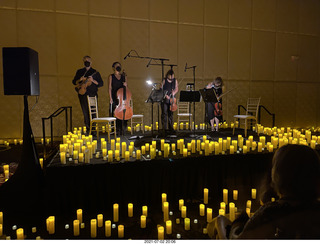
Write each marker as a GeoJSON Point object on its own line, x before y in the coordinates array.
{"type": "Point", "coordinates": [145, 211]}
{"type": "Point", "coordinates": [205, 195]}
{"type": "Point", "coordinates": [100, 220]}
{"type": "Point", "coordinates": [270, 148]}
{"type": "Point", "coordinates": [248, 212]}
{"type": "Point", "coordinates": [185, 152]}
{"type": "Point", "coordinates": [93, 228]}
{"type": "Point", "coordinates": [163, 199]}
{"type": "Point", "coordinates": [165, 211]}
{"type": "Point", "coordinates": [76, 227]}
{"type": "Point", "coordinates": [232, 211]}
{"type": "Point", "coordinates": [20, 235]}
{"type": "Point", "coordinates": [131, 149]}
{"type": "Point", "coordinates": [231, 149]}
{"type": "Point", "coordinates": [225, 195]}
{"type": "Point", "coordinates": [187, 224]}
{"type": "Point", "coordinates": [253, 193]}
{"type": "Point", "coordinates": [103, 144]}
{"type": "Point", "coordinates": [123, 149]}
{"type": "Point", "coordinates": [138, 155]}
{"type": "Point", "coordinates": [181, 203]}
{"type": "Point", "coordinates": [143, 149]}
{"type": "Point", "coordinates": [75, 155]}
{"type": "Point", "coordinates": [223, 205]}
{"type": "Point", "coordinates": [130, 210]}
{"type": "Point", "coordinates": [127, 155]}
{"type": "Point", "coordinates": [1, 229]}
{"type": "Point", "coordinates": [120, 231]}
{"type": "Point", "coordinates": [63, 157]}
{"type": "Point", "coordinates": [115, 212]}
{"type": "Point", "coordinates": [118, 146]}
{"type": "Point", "coordinates": [209, 215]}
{"type": "Point", "coordinates": [183, 212]}
{"type": "Point", "coordinates": [249, 204]}
{"type": "Point", "coordinates": [110, 156]}
{"type": "Point", "coordinates": [162, 144]}
{"type": "Point", "coordinates": [79, 215]}
{"type": "Point", "coordinates": [168, 227]}
{"type": "Point", "coordinates": [41, 162]}
{"type": "Point", "coordinates": [259, 146]}
{"type": "Point", "coordinates": [104, 152]}
{"type": "Point", "coordinates": [222, 212]}
{"type": "Point", "coordinates": [116, 154]}
{"type": "Point", "coordinates": [51, 224]}
{"type": "Point", "coordinates": [201, 209]}
{"type": "Point", "coordinates": [245, 149]}
{"type": "Point", "coordinates": [143, 221]}
{"type": "Point", "coordinates": [235, 195]}
{"type": "Point", "coordinates": [160, 233]}
{"type": "Point", "coordinates": [107, 224]}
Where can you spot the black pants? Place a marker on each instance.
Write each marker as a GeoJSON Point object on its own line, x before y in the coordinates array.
{"type": "Point", "coordinates": [85, 110]}
{"type": "Point", "coordinates": [166, 116]}
{"type": "Point", "coordinates": [121, 127]}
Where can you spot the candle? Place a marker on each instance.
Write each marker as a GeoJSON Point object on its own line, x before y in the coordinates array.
{"type": "Point", "coordinates": [166, 150]}
{"type": "Point", "coordinates": [127, 156]}
{"type": "Point", "coordinates": [181, 203]}
{"type": "Point", "coordinates": [90, 150]}
{"type": "Point", "coordinates": [104, 152]}
{"type": "Point", "coordinates": [71, 149]}
{"type": "Point", "coordinates": [100, 220]}
{"type": "Point", "coordinates": [110, 156]}
{"type": "Point", "coordinates": [130, 210]}
{"type": "Point", "coordinates": [112, 145]}
{"type": "Point", "coordinates": [63, 157]}
{"type": "Point", "coordinates": [115, 212]}
{"type": "Point", "coordinates": [209, 215]}
{"type": "Point", "coordinates": [235, 194]}
{"type": "Point", "coordinates": [248, 212]}
{"type": "Point", "coordinates": [249, 204]}
{"type": "Point", "coordinates": [160, 233]}
{"type": "Point", "coordinates": [193, 146]}
{"type": "Point", "coordinates": [187, 224]}
{"type": "Point", "coordinates": [143, 221]}
{"type": "Point", "coordinates": [221, 212]}
{"type": "Point", "coordinates": [1, 230]}
{"type": "Point", "coordinates": [51, 224]}
{"type": "Point", "coordinates": [138, 155]}
{"type": "Point", "coordinates": [245, 149]}
{"type": "Point", "coordinates": [143, 149]}
{"type": "Point", "coordinates": [107, 228]}
{"type": "Point", "coordinates": [225, 195]}
{"type": "Point", "coordinates": [205, 195]}
{"type": "Point", "coordinates": [41, 162]}
{"type": "Point", "coordinates": [20, 235]}
{"type": "Point", "coordinates": [81, 157]}
{"type": "Point", "coordinates": [231, 149]}
{"type": "Point", "coordinates": [270, 148]}
{"type": "Point", "coordinates": [75, 155]}
{"type": "Point", "coordinates": [120, 231]}
{"type": "Point", "coordinates": [183, 211]}
{"type": "Point", "coordinates": [123, 149]}
{"type": "Point", "coordinates": [165, 211]}
{"type": "Point", "coordinates": [253, 193]}
{"type": "Point", "coordinates": [168, 227]}
{"type": "Point", "coordinates": [201, 209]}
{"type": "Point", "coordinates": [163, 199]}
{"type": "Point", "coordinates": [232, 211]}
{"type": "Point", "coordinates": [259, 147]}
{"type": "Point", "coordinates": [116, 154]}
{"type": "Point", "coordinates": [216, 148]}
{"type": "Point", "coordinates": [223, 205]}
{"type": "Point", "coordinates": [145, 211]}
{"type": "Point", "coordinates": [103, 144]}
{"type": "Point", "coordinates": [93, 228]}
{"type": "Point", "coordinates": [204, 231]}
{"type": "Point", "coordinates": [76, 227]}
{"type": "Point", "coordinates": [185, 152]}
{"type": "Point", "coordinates": [177, 221]}
{"type": "Point", "coordinates": [79, 215]}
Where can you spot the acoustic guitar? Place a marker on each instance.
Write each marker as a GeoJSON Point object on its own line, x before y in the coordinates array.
{"type": "Point", "coordinates": [81, 86]}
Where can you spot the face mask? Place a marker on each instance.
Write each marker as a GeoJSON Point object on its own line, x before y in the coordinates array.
{"type": "Point", "coordinates": [86, 63]}
{"type": "Point", "coordinates": [118, 69]}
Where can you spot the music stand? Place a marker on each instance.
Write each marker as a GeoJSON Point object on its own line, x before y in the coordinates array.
{"type": "Point", "coordinates": [156, 96]}
{"type": "Point", "coordinates": [191, 96]}
{"type": "Point", "coordinates": [208, 96]}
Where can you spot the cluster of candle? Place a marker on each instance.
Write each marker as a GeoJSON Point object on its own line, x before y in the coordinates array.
{"type": "Point", "coordinates": [14, 141]}
{"type": "Point", "coordinates": [6, 171]}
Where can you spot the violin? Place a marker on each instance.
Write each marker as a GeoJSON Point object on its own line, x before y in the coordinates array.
{"type": "Point", "coordinates": [123, 111]}
{"type": "Point", "coordinates": [217, 109]}
{"type": "Point", "coordinates": [81, 86]}
{"type": "Point", "coordinates": [173, 104]}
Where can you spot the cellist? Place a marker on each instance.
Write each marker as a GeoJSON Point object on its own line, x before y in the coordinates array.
{"type": "Point", "coordinates": [117, 80]}
{"type": "Point", "coordinates": [169, 85]}
{"type": "Point", "coordinates": [215, 109]}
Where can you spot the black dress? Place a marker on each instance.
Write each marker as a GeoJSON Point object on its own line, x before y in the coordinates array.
{"type": "Point", "coordinates": [211, 106]}
{"type": "Point", "coordinates": [167, 114]}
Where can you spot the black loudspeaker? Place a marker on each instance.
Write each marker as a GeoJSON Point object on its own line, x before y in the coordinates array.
{"type": "Point", "coordinates": [20, 71]}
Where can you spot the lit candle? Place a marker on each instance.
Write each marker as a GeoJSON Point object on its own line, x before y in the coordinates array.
{"type": "Point", "coordinates": [71, 149]}
{"type": "Point", "coordinates": [163, 199]}
{"type": "Point", "coordinates": [235, 194]}
{"type": "Point", "coordinates": [248, 212]}
{"type": "Point", "coordinates": [115, 212]}
{"type": "Point", "coordinates": [143, 221]}
{"type": "Point", "coordinates": [231, 149]}
{"type": "Point", "coordinates": [104, 152]}
{"type": "Point", "coordinates": [165, 211]}
{"type": "Point", "coordinates": [145, 211]}
{"type": "Point", "coordinates": [270, 148]}
{"type": "Point", "coordinates": [51, 224]}
{"type": "Point", "coordinates": [130, 210]}
{"type": "Point", "coordinates": [120, 231]}
{"type": "Point", "coordinates": [131, 149]}
{"type": "Point", "coordinates": [75, 155]}
{"type": "Point", "coordinates": [223, 205]}
{"type": "Point", "coordinates": [79, 215]}
{"type": "Point", "coordinates": [183, 211]}
{"type": "Point", "coordinates": [205, 231]}
{"type": "Point", "coordinates": [90, 149]}
{"type": "Point", "coordinates": [225, 195]}
{"type": "Point", "coordinates": [41, 162]}
{"type": "Point", "coordinates": [187, 224]}
{"type": "Point", "coordinates": [112, 143]}
{"type": "Point", "coordinates": [168, 227]}
{"type": "Point", "coordinates": [127, 155]}
{"type": "Point", "coordinates": [166, 150]}
{"type": "Point", "coordinates": [20, 235]}
{"type": "Point", "coordinates": [110, 156]}
{"type": "Point", "coordinates": [138, 155]}
{"type": "Point", "coordinates": [100, 220]}
{"type": "Point", "coordinates": [181, 203]}
{"type": "Point", "coordinates": [253, 193]}
{"type": "Point", "coordinates": [201, 209]}
{"type": "Point", "coordinates": [76, 227]}
{"type": "Point", "coordinates": [185, 152]}
{"type": "Point", "coordinates": [222, 212]}
{"type": "Point", "coordinates": [116, 154]}
{"type": "Point", "coordinates": [123, 149]}
{"type": "Point", "coordinates": [162, 144]}
{"type": "Point", "coordinates": [245, 149]}
{"type": "Point", "coordinates": [160, 233]}
{"type": "Point", "coordinates": [143, 149]}
{"type": "Point", "coordinates": [259, 147]}
{"type": "Point", "coordinates": [107, 228]}
{"type": "Point", "coordinates": [209, 215]}
{"type": "Point", "coordinates": [232, 211]}
{"type": "Point", "coordinates": [216, 148]}
{"type": "Point", "coordinates": [104, 144]}
{"type": "Point", "coordinates": [93, 228]}
{"type": "Point", "coordinates": [205, 195]}
{"type": "Point", "coordinates": [63, 157]}
{"type": "Point", "coordinates": [1, 230]}
{"type": "Point", "coordinates": [249, 204]}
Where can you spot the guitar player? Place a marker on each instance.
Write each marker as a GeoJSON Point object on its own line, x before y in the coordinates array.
{"type": "Point", "coordinates": [91, 79]}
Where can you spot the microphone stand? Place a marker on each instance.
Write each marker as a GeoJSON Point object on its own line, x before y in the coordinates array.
{"type": "Point", "coordinates": [194, 102]}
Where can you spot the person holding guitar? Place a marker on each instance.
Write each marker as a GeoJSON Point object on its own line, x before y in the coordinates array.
{"type": "Point", "coordinates": [169, 85]}
{"type": "Point", "coordinates": [117, 80]}
{"type": "Point", "coordinates": [215, 109]}
{"type": "Point", "coordinates": [87, 81]}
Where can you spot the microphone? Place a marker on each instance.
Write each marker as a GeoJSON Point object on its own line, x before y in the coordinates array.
{"type": "Point", "coordinates": [127, 55]}
{"type": "Point", "coordinates": [185, 68]}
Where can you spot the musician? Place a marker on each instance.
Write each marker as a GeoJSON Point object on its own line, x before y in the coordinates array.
{"type": "Point", "coordinates": [214, 110]}
{"type": "Point", "coordinates": [117, 80]}
{"type": "Point", "coordinates": [169, 84]}
{"type": "Point", "coordinates": [92, 77]}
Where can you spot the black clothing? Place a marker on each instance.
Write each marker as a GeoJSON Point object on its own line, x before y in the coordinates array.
{"type": "Point", "coordinates": [167, 114]}
{"type": "Point", "coordinates": [211, 107]}
{"type": "Point", "coordinates": [116, 85]}
{"type": "Point", "coordinates": [92, 91]}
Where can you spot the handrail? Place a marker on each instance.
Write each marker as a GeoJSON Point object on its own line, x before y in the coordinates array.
{"type": "Point", "coordinates": [259, 114]}
{"type": "Point", "coordinates": [53, 115]}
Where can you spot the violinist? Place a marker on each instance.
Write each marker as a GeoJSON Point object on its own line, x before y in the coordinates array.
{"type": "Point", "coordinates": [90, 75]}
{"type": "Point", "coordinates": [169, 85]}
{"type": "Point", "coordinates": [215, 109]}
{"type": "Point", "coordinates": [117, 80]}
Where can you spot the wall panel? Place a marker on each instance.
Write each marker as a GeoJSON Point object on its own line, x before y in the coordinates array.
{"type": "Point", "coordinates": [73, 6]}
{"type": "Point", "coordinates": [264, 14]}
{"type": "Point", "coordinates": [216, 12]}
{"type": "Point", "coordinates": [135, 9]}
{"type": "Point", "coordinates": [165, 10]}
{"type": "Point", "coordinates": [287, 15]}
{"type": "Point", "coordinates": [191, 11]}
{"type": "Point", "coordinates": [36, 4]}
{"type": "Point", "coordinates": [240, 13]}
{"type": "Point", "coordinates": [104, 7]}
{"type": "Point", "coordinates": [309, 17]}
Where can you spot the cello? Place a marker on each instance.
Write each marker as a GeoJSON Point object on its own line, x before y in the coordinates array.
{"type": "Point", "coordinates": [123, 110]}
